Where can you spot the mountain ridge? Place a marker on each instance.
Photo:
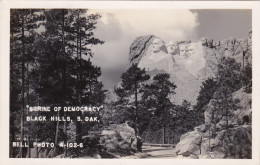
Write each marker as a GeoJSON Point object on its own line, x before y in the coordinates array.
{"type": "Point", "coordinates": [192, 62]}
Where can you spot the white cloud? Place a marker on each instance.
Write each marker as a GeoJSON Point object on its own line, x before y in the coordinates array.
{"type": "Point", "coordinates": [119, 28]}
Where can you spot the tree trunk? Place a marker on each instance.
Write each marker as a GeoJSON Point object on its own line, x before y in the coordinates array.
{"type": "Point", "coordinates": [163, 137]}
{"type": "Point", "coordinates": [209, 137]}
{"type": "Point", "coordinates": [80, 72]}
{"type": "Point", "coordinates": [136, 111]}
{"type": "Point", "coordinates": [78, 86]}
{"type": "Point", "coordinates": [64, 78]}
{"type": "Point", "coordinates": [23, 87]}
{"type": "Point", "coordinates": [29, 149]}
{"type": "Point", "coordinates": [56, 137]}
{"type": "Point", "coordinates": [28, 85]}
{"type": "Point", "coordinates": [65, 138]}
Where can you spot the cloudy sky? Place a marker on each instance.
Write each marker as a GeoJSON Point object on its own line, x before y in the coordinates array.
{"type": "Point", "coordinates": [119, 28]}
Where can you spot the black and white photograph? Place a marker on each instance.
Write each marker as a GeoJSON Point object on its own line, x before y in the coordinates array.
{"type": "Point", "coordinates": [90, 83]}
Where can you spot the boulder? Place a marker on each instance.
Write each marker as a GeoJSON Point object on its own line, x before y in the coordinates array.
{"type": "Point", "coordinates": [119, 139]}
{"type": "Point", "coordinates": [189, 144]}
{"type": "Point", "coordinates": [201, 128]}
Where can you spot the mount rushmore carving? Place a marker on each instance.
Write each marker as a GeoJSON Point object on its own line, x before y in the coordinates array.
{"type": "Point", "coordinates": [188, 63]}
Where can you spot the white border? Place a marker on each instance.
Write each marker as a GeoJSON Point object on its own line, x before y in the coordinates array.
{"type": "Point", "coordinates": [4, 72]}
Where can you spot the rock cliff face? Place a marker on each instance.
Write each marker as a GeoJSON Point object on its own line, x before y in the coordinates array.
{"type": "Point", "coordinates": [213, 52]}
{"type": "Point", "coordinates": [139, 48]}
{"type": "Point", "coordinates": [234, 142]}
{"type": "Point", "coordinates": [188, 63]}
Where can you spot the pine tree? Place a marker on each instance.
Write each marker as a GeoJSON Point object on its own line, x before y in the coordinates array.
{"type": "Point", "coordinates": [206, 93]}
{"type": "Point", "coordinates": [86, 75]}
{"type": "Point", "coordinates": [228, 81]}
{"type": "Point", "coordinates": [23, 25]}
{"type": "Point", "coordinates": [60, 74]}
{"type": "Point", "coordinates": [157, 97]}
{"type": "Point", "coordinates": [130, 90]}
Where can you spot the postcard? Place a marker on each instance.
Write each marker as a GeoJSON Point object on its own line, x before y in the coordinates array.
{"type": "Point", "coordinates": [130, 82]}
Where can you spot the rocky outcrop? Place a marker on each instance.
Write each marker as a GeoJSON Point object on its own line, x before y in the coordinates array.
{"type": "Point", "coordinates": [215, 51]}
{"type": "Point", "coordinates": [242, 114]}
{"type": "Point", "coordinates": [139, 47]}
{"type": "Point", "coordinates": [231, 143]}
{"type": "Point", "coordinates": [218, 140]}
{"type": "Point", "coordinates": [239, 49]}
{"type": "Point", "coordinates": [119, 139]}
{"type": "Point", "coordinates": [212, 58]}
{"type": "Point", "coordinates": [190, 144]}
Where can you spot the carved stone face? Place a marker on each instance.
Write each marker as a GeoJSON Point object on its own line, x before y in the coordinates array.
{"type": "Point", "coordinates": [191, 50]}
{"type": "Point", "coordinates": [183, 51]}
{"type": "Point", "coordinates": [173, 48]}
{"type": "Point", "coordinates": [157, 45]}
